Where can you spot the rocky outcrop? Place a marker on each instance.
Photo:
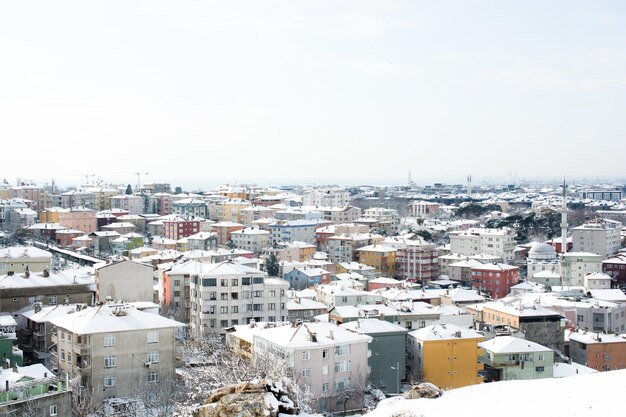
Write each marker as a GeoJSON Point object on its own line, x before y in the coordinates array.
{"type": "Point", "coordinates": [249, 399]}
{"type": "Point", "coordinates": [423, 390]}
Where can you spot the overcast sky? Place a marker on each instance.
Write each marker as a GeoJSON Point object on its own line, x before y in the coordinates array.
{"type": "Point", "coordinates": [209, 92]}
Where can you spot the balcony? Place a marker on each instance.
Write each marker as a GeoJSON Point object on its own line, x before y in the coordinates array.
{"type": "Point", "coordinates": [81, 349]}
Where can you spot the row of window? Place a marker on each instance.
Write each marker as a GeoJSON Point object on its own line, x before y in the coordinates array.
{"type": "Point", "coordinates": [110, 380]}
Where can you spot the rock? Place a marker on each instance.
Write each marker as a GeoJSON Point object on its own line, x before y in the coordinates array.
{"type": "Point", "coordinates": [249, 399]}
{"type": "Point", "coordinates": [423, 390]}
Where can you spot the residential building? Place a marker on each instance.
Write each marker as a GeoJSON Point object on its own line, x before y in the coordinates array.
{"type": "Point", "coordinates": [227, 294]}
{"type": "Point", "coordinates": [497, 242]}
{"type": "Point", "coordinates": [387, 361]}
{"type": "Point", "coordinates": [250, 214]}
{"type": "Point", "coordinates": [416, 259]}
{"type": "Point", "coordinates": [301, 278]}
{"type": "Point", "coordinates": [575, 265]}
{"type": "Point", "coordinates": [79, 218]}
{"type": "Point", "coordinates": [337, 214]}
{"type": "Point", "coordinates": [343, 247]}
{"type": "Point", "coordinates": [19, 290]}
{"type": "Point", "coordinates": [230, 210]}
{"type": "Point", "coordinates": [77, 198]}
{"type": "Point", "coordinates": [22, 258]}
{"type": "Point", "coordinates": [327, 197]}
{"type": "Point", "coordinates": [602, 352]}
{"type": "Point", "coordinates": [323, 233]}
{"type": "Point", "coordinates": [224, 231]}
{"type": "Point", "coordinates": [112, 348]}
{"type": "Point", "coordinates": [386, 219]}
{"type": "Point", "coordinates": [251, 239]}
{"type": "Point", "coordinates": [179, 228]}
{"type": "Point", "coordinates": [122, 228]}
{"type": "Point", "coordinates": [325, 358]}
{"type": "Point", "coordinates": [495, 279]}
{"type": "Point", "coordinates": [304, 309]}
{"type": "Point", "coordinates": [509, 358]}
{"type": "Point", "coordinates": [445, 355]}
{"type": "Point", "coordinates": [161, 203]}
{"type": "Point", "coordinates": [601, 236]}
{"type": "Point", "coordinates": [123, 280]}
{"type": "Point", "coordinates": [134, 204]}
{"type": "Point", "coordinates": [190, 207]}
{"type": "Point", "coordinates": [540, 324]}
{"type": "Point", "coordinates": [19, 218]}
{"type": "Point", "coordinates": [295, 230]}
{"type": "Point", "coordinates": [38, 195]}
{"type": "Point", "coordinates": [615, 267]}
{"type": "Point", "coordinates": [381, 257]}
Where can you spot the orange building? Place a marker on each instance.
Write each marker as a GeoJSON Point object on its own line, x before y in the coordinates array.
{"type": "Point", "coordinates": [602, 352]}
{"type": "Point", "coordinates": [81, 219]}
{"type": "Point", "coordinates": [382, 258]}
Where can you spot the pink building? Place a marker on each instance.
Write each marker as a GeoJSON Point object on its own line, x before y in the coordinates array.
{"type": "Point", "coordinates": [65, 237]}
{"type": "Point", "coordinates": [383, 283]}
{"type": "Point", "coordinates": [224, 229]}
{"type": "Point", "coordinates": [82, 219]}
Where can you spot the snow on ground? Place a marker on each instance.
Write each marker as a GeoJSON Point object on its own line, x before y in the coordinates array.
{"type": "Point", "coordinates": [598, 394]}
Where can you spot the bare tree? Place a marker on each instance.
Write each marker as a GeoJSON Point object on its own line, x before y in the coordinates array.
{"type": "Point", "coordinates": [158, 398]}
{"type": "Point", "coordinates": [83, 403]}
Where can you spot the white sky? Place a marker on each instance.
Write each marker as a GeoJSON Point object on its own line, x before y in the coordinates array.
{"type": "Point", "coordinates": [206, 92]}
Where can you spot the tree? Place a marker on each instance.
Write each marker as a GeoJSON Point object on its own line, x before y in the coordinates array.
{"type": "Point", "coordinates": [271, 265]}
{"type": "Point", "coordinates": [160, 397]}
{"type": "Point", "coordinates": [129, 190]}
{"type": "Point", "coordinates": [178, 190]}
{"type": "Point", "coordinates": [230, 244]}
{"type": "Point", "coordinates": [83, 404]}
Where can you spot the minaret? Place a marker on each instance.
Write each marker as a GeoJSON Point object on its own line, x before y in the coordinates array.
{"type": "Point", "coordinates": [564, 220]}
{"type": "Point", "coordinates": [410, 179]}
{"type": "Point", "coordinates": [469, 184]}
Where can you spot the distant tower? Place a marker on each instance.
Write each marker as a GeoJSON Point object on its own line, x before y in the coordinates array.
{"type": "Point", "coordinates": [469, 184]}
{"type": "Point", "coordinates": [410, 179]}
{"type": "Point", "coordinates": [564, 220]}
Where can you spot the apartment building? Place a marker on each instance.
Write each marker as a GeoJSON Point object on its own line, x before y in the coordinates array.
{"type": "Point", "coordinates": [343, 247]}
{"type": "Point", "coordinates": [180, 227]}
{"type": "Point", "coordinates": [251, 239]}
{"type": "Point", "coordinates": [497, 242]}
{"type": "Point", "coordinates": [134, 204]}
{"type": "Point", "coordinates": [295, 230]}
{"type": "Point", "coordinates": [190, 207]}
{"type": "Point", "coordinates": [494, 279]}
{"type": "Point", "coordinates": [124, 280]}
{"type": "Point", "coordinates": [602, 352]}
{"type": "Point", "coordinates": [79, 218]}
{"type": "Point", "coordinates": [601, 236]}
{"type": "Point", "coordinates": [445, 355]}
{"type": "Point", "coordinates": [327, 197]}
{"type": "Point", "coordinates": [227, 294]}
{"type": "Point", "coordinates": [508, 358]}
{"type": "Point", "coordinates": [325, 358]}
{"type": "Point", "coordinates": [22, 258]}
{"type": "Point", "coordinates": [78, 198]}
{"type": "Point", "coordinates": [416, 259]}
{"type": "Point", "coordinates": [387, 219]}
{"type": "Point", "coordinates": [575, 265]}
{"type": "Point", "coordinates": [381, 257]}
{"type": "Point", "coordinates": [112, 348]}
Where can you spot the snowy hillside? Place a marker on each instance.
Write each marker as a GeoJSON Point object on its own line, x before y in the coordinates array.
{"type": "Point", "coordinates": [599, 394]}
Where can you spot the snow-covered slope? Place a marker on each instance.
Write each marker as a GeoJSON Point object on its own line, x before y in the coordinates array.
{"type": "Point", "coordinates": [600, 394]}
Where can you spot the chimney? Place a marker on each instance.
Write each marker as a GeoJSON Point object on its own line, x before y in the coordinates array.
{"type": "Point", "coordinates": [37, 307]}
{"type": "Point", "coordinates": [15, 367]}
{"type": "Point", "coordinates": [10, 273]}
{"type": "Point", "coordinates": [46, 273]}
{"type": "Point", "coordinates": [331, 334]}
{"type": "Point", "coordinates": [26, 273]}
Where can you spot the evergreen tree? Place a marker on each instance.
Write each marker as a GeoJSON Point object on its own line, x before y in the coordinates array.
{"type": "Point", "coordinates": [129, 190]}
{"type": "Point", "coordinates": [271, 265]}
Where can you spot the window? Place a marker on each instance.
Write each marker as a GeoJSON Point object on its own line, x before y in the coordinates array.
{"type": "Point", "coordinates": [177, 283]}
{"type": "Point", "coordinates": [539, 369]}
{"type": "Point", "coordinates": [306, 372]}
{"type": "Point", "coordinates": [109, 361]}
{"type": "Point", "coordinates": [272, 293]}
{"type": "Point", "coordinates": [224, 296]}
{"type": "Point", "coordinates": [63, 355]}
{"type": "Point", "coordinates": [257, 280]}
{"type": "Point", "coordinates": [234, 282]}
{"type": "Point", "coordinates": [53, 410]}
{"type": "Point", "coordinates": [109, 340]}
{"type": "Point", "coordinates": [306, 355]}
{"type": "Point", "coordinates": [52, 300]}
{"type": "Point", "coordinates": [223, 310]}
{"type": "Point", "coordinates": [153, 357]}
{"type": "Point", "coordinates": [209, 282]}
{"type": "Point", "coordinates": [234, 309]}
{"type": "Point", "coordinates": [223, 323]}
{"type": "Point", "coordinates": [343, 366]}
{"type": "Point", "coordinates": [109, 381]}
{"type": "Point", "coordinates": [258, 294]}
{"type": "Point", "coordinates": [607, 357]}
{"type": "Point", "coordinates": [324, 370]}
{"type": "Point", "coordinates": [342, 383]}
{"type": "Point", "coordinates": [245, 281]}
{"type": "Point", "coordinates": [153, 337]}
{"type": "Point", "coordinates": [271, 306]}
{"type": "Point", "coordinates": [341, 350]}
{"type": "Point", "coordinates": [325, 387]}
{"type": "Point", "coordinates": [325, 353]}
{"type": "Point", "coordinates": [540, 357]}
{"type": "Point", "coordinates": [224, 282]}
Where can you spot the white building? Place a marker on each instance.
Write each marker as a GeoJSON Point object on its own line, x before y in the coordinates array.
{"type": "Point", "coordinates": [575, 265]}
{"type": "Point", "coordinates": [602, 237]}
{"type": "Point", "coordinates": [124, 280]}
{"type": "Point", "coordinates": [329, 197]}
{"type": "Point", "coordinates": [497, 242]}
{"type": "Point", "coordinates": [542, 257]}
{"type": "Point", "coordinates": [295, 230]}
{"type": "Point", "coordinates": [226, 294]}
{"type": "Point", "coordinates": [251, 239]}
{"type": "Point", "coordinates": [134, 204]}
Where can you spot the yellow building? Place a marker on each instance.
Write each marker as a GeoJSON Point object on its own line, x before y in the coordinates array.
{"type": "Point", "coordinates": [446, 355]}
{"type": "Point", "coordinates": [230, 210]}
{"type": "Point", "coordinates": [51, 215]}
{"type": "Point", "coordinates": [382, 258]}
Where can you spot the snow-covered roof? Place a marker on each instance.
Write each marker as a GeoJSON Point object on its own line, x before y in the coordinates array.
{"type": "Point", "coordinates": [563, 370]}
{"type": "Point", "coordinates": [305, 304]}
{"type": "Point", "coordinates": [445, 332]}
{"type": "Point", "coordinates": [373, 326]}
{"type": "Point", "coordinates": [310, 335]}
{"type": "Point", "coordinates": [24, 252]}
{"type": "Point", "coordinates": [78, 276]}
{"type": "Point", "coordinates": [510, 344]}
{"type": "Point", "coordinates": [593, 338]}
{"type": "Point", "coordinates": [112, 318]}
{"type": "Point", "coordinates": [615, 295]}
